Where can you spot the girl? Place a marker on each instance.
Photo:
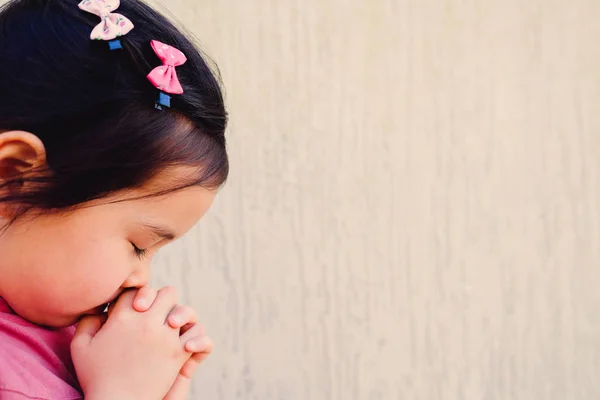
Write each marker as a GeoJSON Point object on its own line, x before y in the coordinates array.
{"type": "Point", "coordinates": [109, 149]}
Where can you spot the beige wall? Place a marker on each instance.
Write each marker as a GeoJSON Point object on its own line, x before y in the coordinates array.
{"type": "Point", "coordinates": [413, 205]}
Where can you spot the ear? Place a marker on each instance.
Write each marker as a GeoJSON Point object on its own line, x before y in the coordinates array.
{"type": "Point", "coordinates": [20, 152]}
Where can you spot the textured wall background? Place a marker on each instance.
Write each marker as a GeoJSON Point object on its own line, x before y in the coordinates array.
{"type": "Point", "coordinates": [413, 205]}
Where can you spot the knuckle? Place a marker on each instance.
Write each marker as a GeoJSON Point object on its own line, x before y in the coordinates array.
{"type": "Point", "coordinates": [126, 296]}
{"type": "Point", "coordinates": [149, 291]}
{"type": "Point", "coordinates": [168, 289]}
{"type": "Point", "coordinates": [188, 311]}
{"type": "Point", "coordinates": [129, 293]}
{"type": "Point", "coordinates": [143, 291]}
{"type": "Point", "coordinates": [120, 317]}
{"type": "Point", "coordinates": [177, 351]}
{"type": "Point", "coordinates": [169, 292]}
{"type": "Point", "coordinates": [147, 329]}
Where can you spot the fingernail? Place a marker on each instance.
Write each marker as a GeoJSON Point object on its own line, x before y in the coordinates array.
{"type": "Point", "coordinates": [142, 303]}
{"type": "Point", "coordinates": [176, 320]}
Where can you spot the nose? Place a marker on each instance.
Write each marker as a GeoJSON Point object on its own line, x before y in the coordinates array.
{"type": "Point", "coordinates": [140, 277]}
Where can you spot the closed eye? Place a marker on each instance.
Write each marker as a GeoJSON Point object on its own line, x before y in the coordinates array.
{"type": "Point", "coordinates": [140, 253]}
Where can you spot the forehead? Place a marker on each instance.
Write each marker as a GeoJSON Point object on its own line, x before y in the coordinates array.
{"type": "Point", "coordinates": [182, 207]}
{"type": "Point", "coordinates": [159, 202]}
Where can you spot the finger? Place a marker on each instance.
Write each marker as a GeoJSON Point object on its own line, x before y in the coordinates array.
{"type": "Point", "coordinates": [144, 298]}
{"type": "Point", "coordinates": [180, 389]}
{"type": "Point", "coordinates": [87, 328]}
{"type": "Point", "coordinates": [200, 357]}
{"type": "Point", "coordinates": [166, 300]}
{"type": "Point", "coordinates": [201, 344]}
{"type": "Point", "coordinates": [182, 315]}
{"type": "Point", "coordinates": [191, 365]}
{"type": "Point", "coordinates": [125, 301]}
{"type": "Point", "coordinates": [195, 331]}
{"type": "Point", "coordinates": [200, 329]}
{"type": "Point", "coordinates": [189, 368]}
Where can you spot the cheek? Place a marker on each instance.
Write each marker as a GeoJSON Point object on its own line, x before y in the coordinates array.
{"type": "Point", "coordinates": [92, 257]}
{"type": "Point", "coordinates": [55, 268]}
{"type": "Point", "coordinates": [84, 265]}
{"type": "Point", "coordinates": [56, 274]}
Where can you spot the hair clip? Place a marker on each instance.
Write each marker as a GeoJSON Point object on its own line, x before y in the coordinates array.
{"type": "Point", "coordinates": [164, 77]}
{"type": "Point", "coordinates": [113, 25]}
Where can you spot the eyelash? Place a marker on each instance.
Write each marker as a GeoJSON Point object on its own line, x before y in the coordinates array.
{"type": "Point", "coordinates": [140, 253]}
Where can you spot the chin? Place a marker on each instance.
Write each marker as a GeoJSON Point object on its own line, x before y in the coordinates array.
{"type": "Point", "coordinates": [53, 322]}
{"type": "Point", "coordinates": [45, 319]}
{"type": "Point", "coordinates": [57, 323]}
{"type": "Point", "coordinates": [67, 321]}
{"type": "Point", "coordinates": [50, 319]}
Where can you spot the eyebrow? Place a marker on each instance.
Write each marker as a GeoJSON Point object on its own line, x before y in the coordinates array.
{"type": "Point", "coordinates": [160, 231]}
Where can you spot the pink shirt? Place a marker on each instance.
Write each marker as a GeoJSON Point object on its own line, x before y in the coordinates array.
{"type": "Point", "coordinates": [35, 363]}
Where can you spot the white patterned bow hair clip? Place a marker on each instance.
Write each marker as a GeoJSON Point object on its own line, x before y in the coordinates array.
{"type": "Point", "coordinates": [112, 26]}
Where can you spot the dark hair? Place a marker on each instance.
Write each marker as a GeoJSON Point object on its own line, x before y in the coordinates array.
{"type": "Point", "coordinates": [93, 108]}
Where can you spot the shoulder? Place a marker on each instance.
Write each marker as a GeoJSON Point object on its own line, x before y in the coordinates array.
{"type": "Point", "coordinates": [30, 366]}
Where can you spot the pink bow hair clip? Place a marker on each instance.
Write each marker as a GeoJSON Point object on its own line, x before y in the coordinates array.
{"type": "Point", "coordinates": [164, 77]}
{"type": "Point", "coordinates": [112, 26]}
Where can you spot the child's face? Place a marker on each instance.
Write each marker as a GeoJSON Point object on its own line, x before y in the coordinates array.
{"type": "Point", "coordinates": [55, 268]}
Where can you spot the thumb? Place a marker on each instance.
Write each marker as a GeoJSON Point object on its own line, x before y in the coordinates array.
{"type": "Point", "coordinates": [87, 328]}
